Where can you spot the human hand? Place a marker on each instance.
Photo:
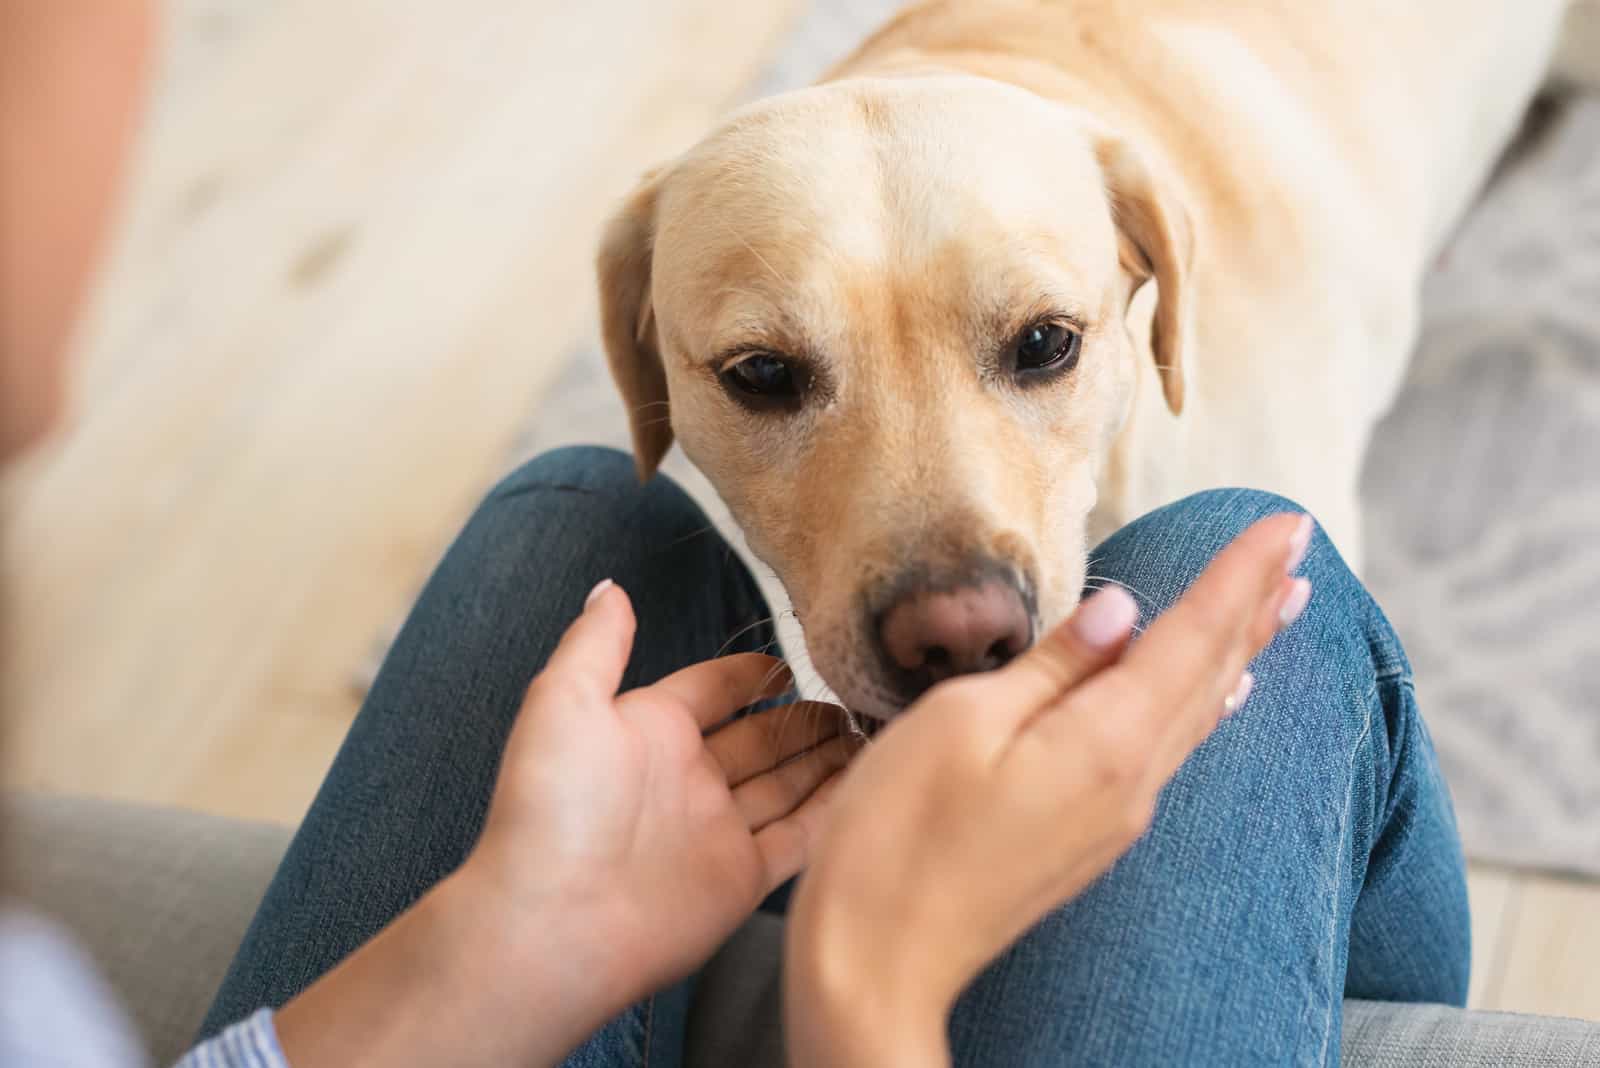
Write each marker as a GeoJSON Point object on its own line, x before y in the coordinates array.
{"type": "Point", "coordinates": [622, 814]}
{"type": "Point", "coordinates": [627, 837]}
{"type": "Point", "coordinates": [996, 797]}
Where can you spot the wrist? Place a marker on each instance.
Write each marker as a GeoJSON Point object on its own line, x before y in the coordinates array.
{"type": "Point", "coordinates": [561, 947]}
{"type": "Point", "coordinates": [458, 980]}
{"type": "Point", "coordinates": [857, 991]}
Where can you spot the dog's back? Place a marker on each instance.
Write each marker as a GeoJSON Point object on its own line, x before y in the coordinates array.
{"type": "Point", "coordinates": [1325, 150]}
{"type": "Point", "coordinates": [1416, 99]}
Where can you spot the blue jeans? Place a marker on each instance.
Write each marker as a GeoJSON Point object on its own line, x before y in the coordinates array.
{"type": "Point", "coordinates": [1307, 852]}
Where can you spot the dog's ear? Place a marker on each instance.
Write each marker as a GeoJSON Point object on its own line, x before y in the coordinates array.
{"type": "Point", "coordinates": [628, 323]}
{"type": "Point", "coordinates": [1154, 240]}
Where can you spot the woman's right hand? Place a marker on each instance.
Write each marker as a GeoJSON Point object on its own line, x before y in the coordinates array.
{"type": "Point", "coordinates": [997, 797]}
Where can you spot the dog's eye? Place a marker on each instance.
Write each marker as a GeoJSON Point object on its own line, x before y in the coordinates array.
{"type": "Point", "coordinates": [1047, 346]}
{"type": "Point", "coordinates": [763, 375]}
{"type": "Point", "coordinates": [766, 379]}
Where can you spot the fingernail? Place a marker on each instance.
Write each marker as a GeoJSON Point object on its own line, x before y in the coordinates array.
{"type": "Point", "coordinates": [1241, 694]}
{"type": "Point", "coordinates": [1295, 603]}
{"type": "Point", "coordinates": [1299, 542]}
{"type": "Point", "coordinates": [594, 595]}
{"type": "Point", "coordinates": [1106, 618]}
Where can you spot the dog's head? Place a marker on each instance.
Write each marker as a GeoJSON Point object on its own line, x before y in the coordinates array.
{"type": "Point", "coordinates": [888, 320]}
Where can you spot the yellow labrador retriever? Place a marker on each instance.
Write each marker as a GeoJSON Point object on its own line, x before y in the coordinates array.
{"type": "Point", "coordinates": [901, 319]}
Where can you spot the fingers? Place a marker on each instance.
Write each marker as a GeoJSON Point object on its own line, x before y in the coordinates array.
{"type": "Point", "coordinates": [1186, 729]}
{"type": "Point", "coordinates": [1202, 636]}
{"type": "Point", "coordinates": [1094, 636]}
{"type": "Point", "coordinates": [1143, 716]}
{"type": "Point", "coordinates": [593, 653]}
{"type": "Point", "coordinates": [716, 689]}
{"type": "Point", "coordinates": [785, 844]}
{"type": "Point", "coordinates": [775, 794]}
{"type": "Point", "coordinates": [756, 744]}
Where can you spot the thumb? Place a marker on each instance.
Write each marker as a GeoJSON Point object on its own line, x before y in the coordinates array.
{"type": "Point", "coordinates": [593, 653]}
{"type": "Point", "coordinates": [1091, 638]}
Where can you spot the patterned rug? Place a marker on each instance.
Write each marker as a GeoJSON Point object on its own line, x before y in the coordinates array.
{"type": "Point", "coordinates": [1483, 506]}
{"type": "Point", "coordinates": [1482, 490]}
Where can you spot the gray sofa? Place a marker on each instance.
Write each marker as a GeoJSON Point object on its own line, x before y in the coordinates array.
{"type": "Point", "coordinates": [161, 899]}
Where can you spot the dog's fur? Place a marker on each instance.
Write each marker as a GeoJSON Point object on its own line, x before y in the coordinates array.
{"type": "Point", "coordinates": [1284, 172]}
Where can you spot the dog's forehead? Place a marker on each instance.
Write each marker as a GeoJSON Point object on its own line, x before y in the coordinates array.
{"type": "Point", "coordinates": [876, 174]}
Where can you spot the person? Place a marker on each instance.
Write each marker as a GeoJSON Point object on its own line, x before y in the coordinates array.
{"type": "Point", "coordinates": [536, 832]}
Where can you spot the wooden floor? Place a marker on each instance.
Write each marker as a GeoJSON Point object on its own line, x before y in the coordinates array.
{"type": "Point", "coordinates": [357, 245]}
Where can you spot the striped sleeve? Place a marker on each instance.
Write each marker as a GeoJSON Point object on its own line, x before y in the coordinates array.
{"type": "Point", "coordinates": [250, 1043]}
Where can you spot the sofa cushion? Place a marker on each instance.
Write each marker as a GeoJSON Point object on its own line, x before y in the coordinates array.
{"type": "Point", "coordinates": [1387, 1035]}
{"type": "Point", "coordinates": [159, 898]}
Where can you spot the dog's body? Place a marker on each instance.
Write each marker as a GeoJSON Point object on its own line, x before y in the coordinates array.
{"type": "Point", "coordinates": [847, 293]}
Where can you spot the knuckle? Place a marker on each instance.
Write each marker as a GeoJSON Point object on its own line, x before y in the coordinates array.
{"type": "Point", "coordinates": [1128, 758]}
{"type": "Point", "coordinates": [1119, 755]}
{"type": "Point", "coordinates": [1262, 630]}
{"type": "Point", "coordinates": [1108, 776]}
{"type": "Point", "coordinates": [1207, 609]}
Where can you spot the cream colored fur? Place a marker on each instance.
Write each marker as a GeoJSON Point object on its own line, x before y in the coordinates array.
{"type": "Point", "coordinates": [1235, 199]}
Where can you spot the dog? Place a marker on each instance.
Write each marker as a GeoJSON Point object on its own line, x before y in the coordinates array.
{"type": "Point", "coordinates": [1016, 272]}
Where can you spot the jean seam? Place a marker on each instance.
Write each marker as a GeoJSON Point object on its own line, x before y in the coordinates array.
{"type": "Point", "coordinates": [506, 493]}
{"type": "Point", "coordinates": [1336, 1001]}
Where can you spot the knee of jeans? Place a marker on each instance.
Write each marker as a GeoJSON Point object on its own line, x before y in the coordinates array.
{"type": "Point", "coordinates": [584, 469]}
{"type": "Point", "coordinates": [1181, 538]}
{"type": "Point", "coordinates": [604, 478]}
{"type": "Point", "coordinates": [603, 484]}
{"type": "Point", "coordinates": [1233, 508]}
{"type": "Point", "coordinates": [1160, 553]}
{"type": "Point", "coordinates": [1199, 526]}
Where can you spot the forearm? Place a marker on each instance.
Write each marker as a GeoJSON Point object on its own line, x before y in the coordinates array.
{"type": "Point", "coordinates": [448, 984]}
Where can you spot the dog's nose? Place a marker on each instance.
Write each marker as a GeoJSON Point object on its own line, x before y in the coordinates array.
{"type": "Point", "coordinates": [931, 635]}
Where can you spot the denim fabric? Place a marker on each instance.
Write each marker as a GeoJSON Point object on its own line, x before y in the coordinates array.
{"type": "Point", "coordinates": [406, 795]}
{"type": "Point", "coordinates": [1306, 851]}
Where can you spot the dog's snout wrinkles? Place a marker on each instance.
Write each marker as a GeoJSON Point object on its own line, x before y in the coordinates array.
{"type": "Point", "coordinates": [930, 635]}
